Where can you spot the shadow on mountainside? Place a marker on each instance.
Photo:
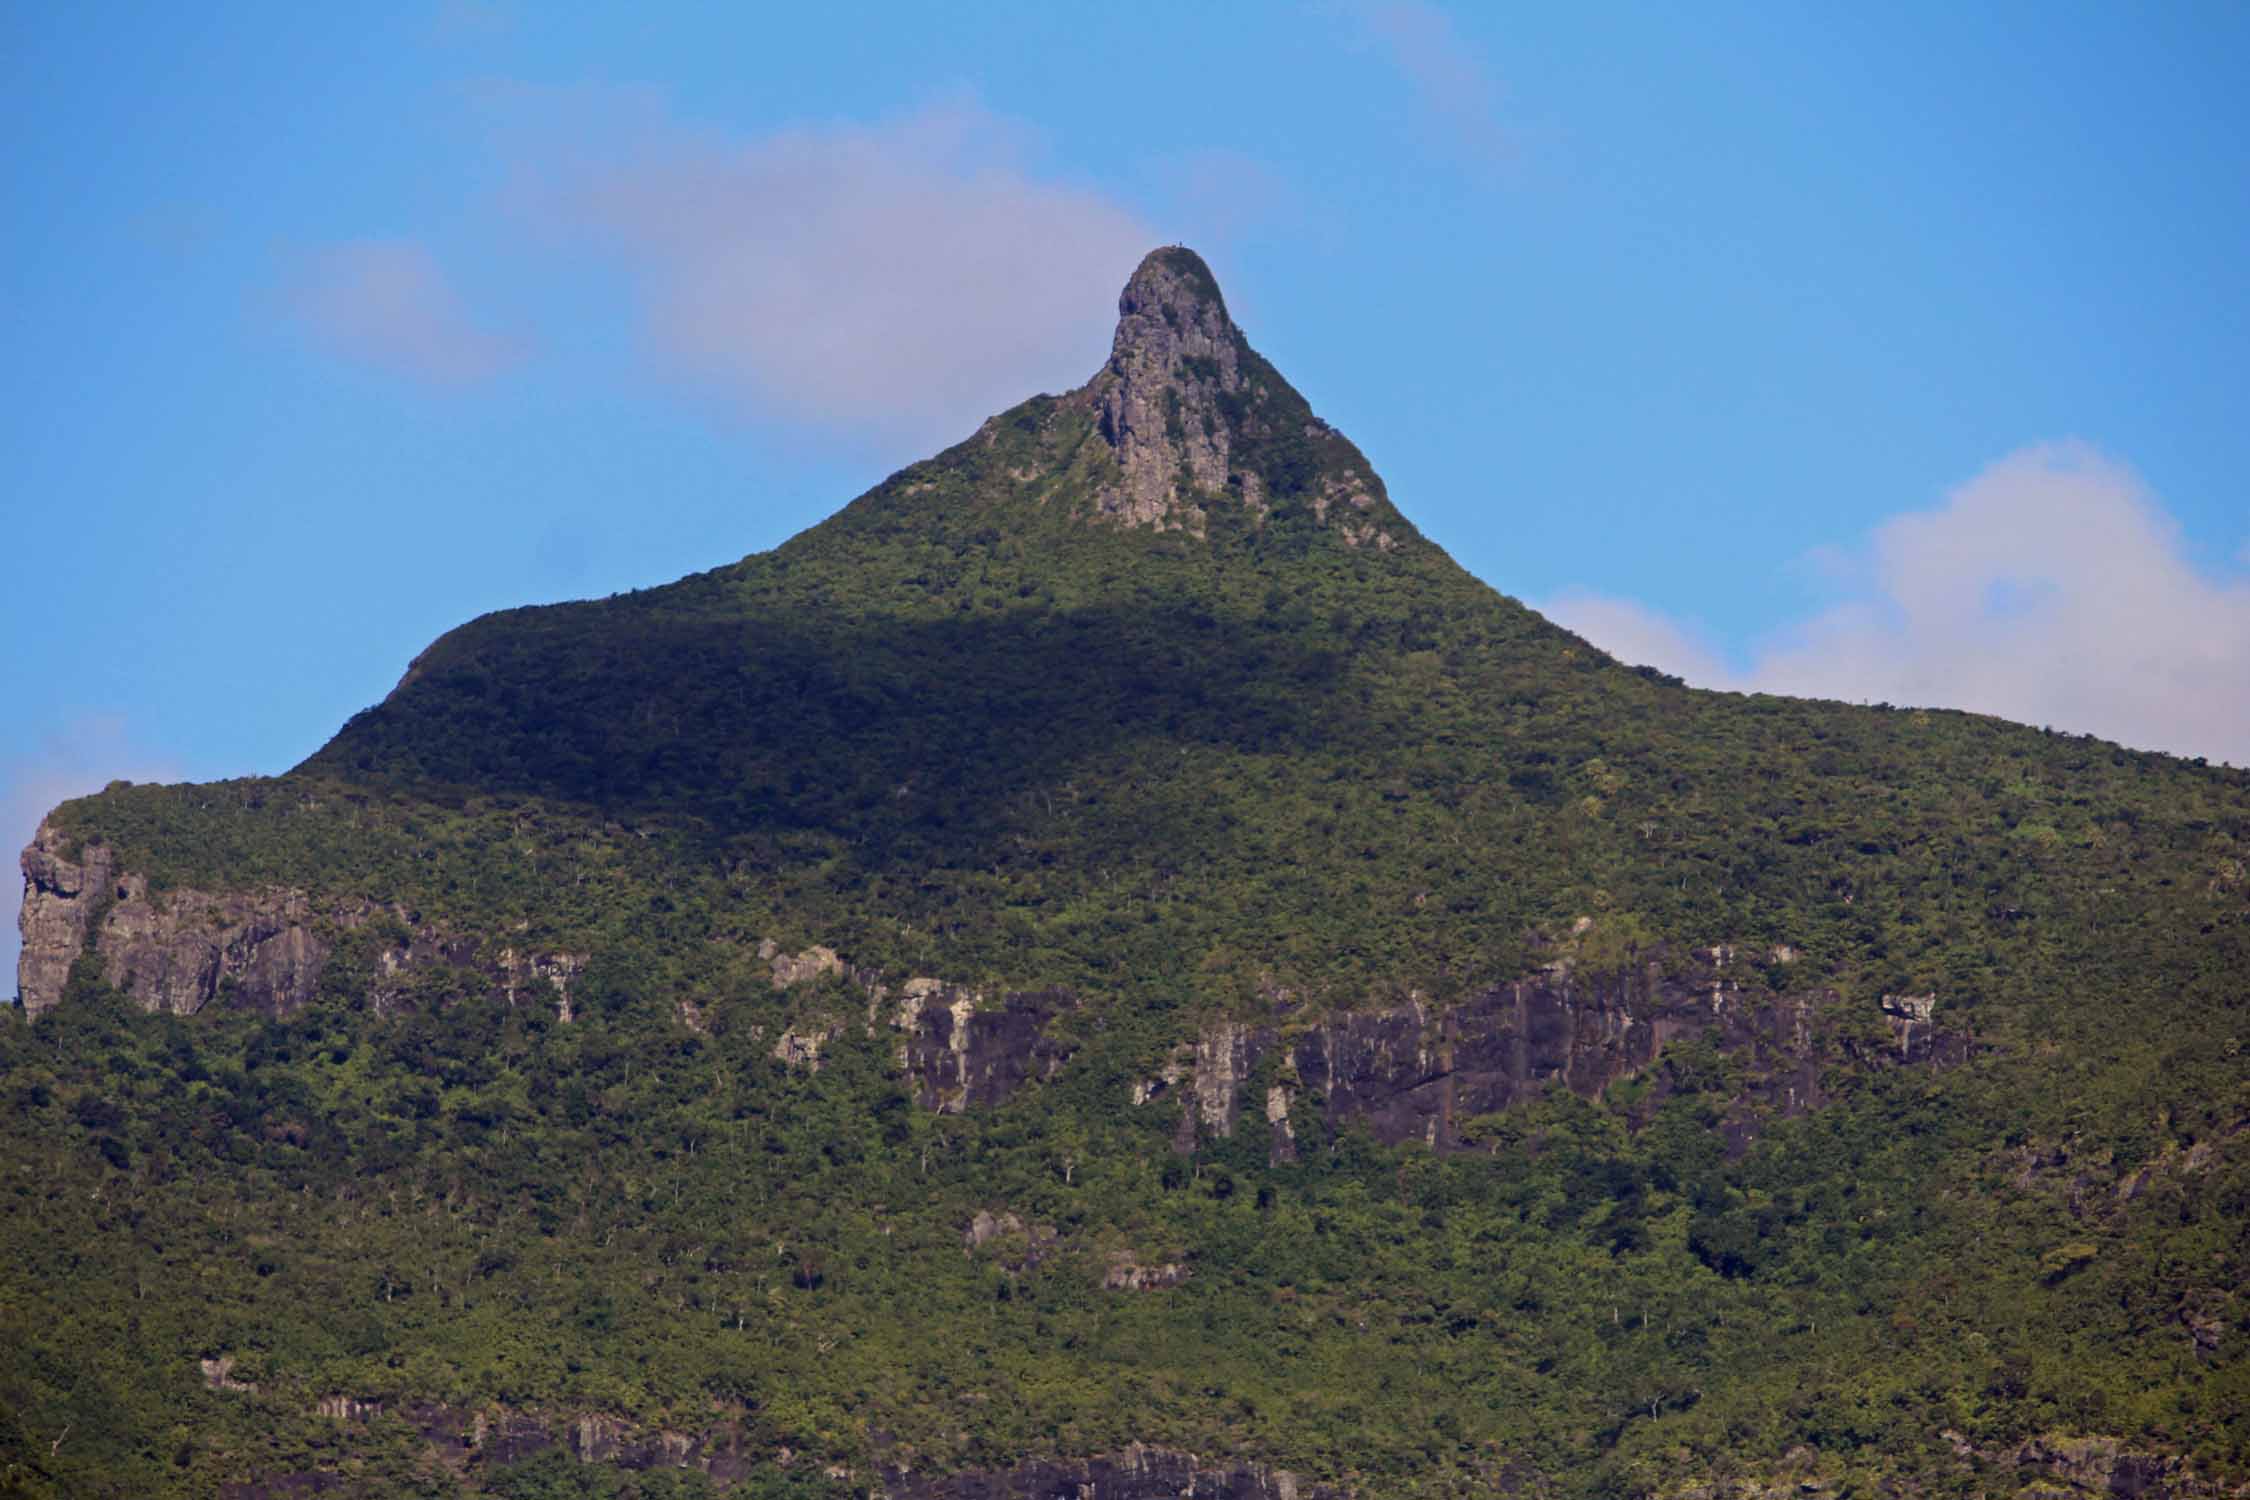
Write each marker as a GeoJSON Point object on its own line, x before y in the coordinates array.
{"type": "Point", "coordinates": [914, 737]}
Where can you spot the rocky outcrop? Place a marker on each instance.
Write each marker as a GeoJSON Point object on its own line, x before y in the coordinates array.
{"type": "Point", "coordinates": [1013, 1243]}
{"type": "Point", "coordinates": [474, 1441]}
{"type": "Point", "coordinates": [265, 949]}
{"type": "Point", "coordinates": [348, 1409]}
{"type": "Point", "coordinates": [495, 1436]}
{"type": "Point", "coordinates": [524, 977]}
{"type": "Point", "coordinates": [1193, 417]}
{"type": "Point", "coordinates": [1420, 1071]}
{"type": "Point", "coordinates": [1127, 1272]}
{"type": "Point", "coordinates": [2105, 1467]}
{"type": "Point", "coordinates": [218, 1374]}
{"type": "Point", "coordinates": [1174, 358]}
{"type": "Point", "coordinates": [964, 1052]}
{"type": "Point", "coordinates": [1912, 1022]}
{"type": "Point", "coordinates": [790, 969]}
{"type": "Point", "coordinates": [961, 1049]}
{"type": "Point", "coordinates": [2053, 1466]}
{"type": "Point", "coordinates": [1138, 1473]}
{"type": "Point", "coordinates": [176, 951]}
{"type": "Point", "coordinates": [1416, 1071]}
{"type": "Point", "coordinates": [60, 899]}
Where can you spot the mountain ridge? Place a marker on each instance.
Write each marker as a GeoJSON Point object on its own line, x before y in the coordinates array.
{"type": "Point", "coordinates": [1385, 1042]}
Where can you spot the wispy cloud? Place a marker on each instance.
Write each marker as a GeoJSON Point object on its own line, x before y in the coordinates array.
{"type": "Point", "coordinates": [2052, 589]}
{"type": "Point", "coordinates": [387, 303]}
{"type": "Point", "coordinates": [899, 281]}
{"type": "Point", "coordinates": [1445, 72]}
{"type": "Point", "coordinates": [85, 756]}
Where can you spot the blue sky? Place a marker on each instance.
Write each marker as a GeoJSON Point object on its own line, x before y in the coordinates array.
{"type": "Point", "coordinates": [1884, 353]}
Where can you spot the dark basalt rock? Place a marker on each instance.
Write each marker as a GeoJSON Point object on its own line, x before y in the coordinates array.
{"type": "Point", "coordinates": [965, 1054]}
{"type": "Point", "coordinates": [1421, 1071]}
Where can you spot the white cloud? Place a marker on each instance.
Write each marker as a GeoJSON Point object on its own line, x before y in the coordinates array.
{"type": "Point", "coordinates": [386, 303]}
{"type": "Point", "coordinates": [899, 281]}
{"type": "Point", "coordinates": [1637, 634]}
{"type": "Point", "coordinates": [2051, 589]}
{"type": "Point", "coordinates": [85, 756]}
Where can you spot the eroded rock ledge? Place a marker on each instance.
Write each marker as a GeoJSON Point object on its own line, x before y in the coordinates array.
{"type": "Point", "coordinates": [471, 1441]}
{"type": "Point", "coordinates": [262, 949]}
{"type": "Point", "coordinates": [1420, 1071]}
{"type": "Point", "coordinates": [1416, 1071]}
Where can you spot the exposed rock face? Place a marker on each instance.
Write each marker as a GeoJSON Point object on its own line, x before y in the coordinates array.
{"type": "Point", "coordinates": [799, 968]}
{"type": "Point", "coordinates": [1192, 416]}
{"type": "Point", "coordinates": [503, 1435]}
{"type": "Point", "coordinates": [1175, 355]}
{"type": "Point", "coordinates": [218, 1374]}
{"type": "Point", "coordinates": [1284, 1136]}
{"type": "Point", "coordinates": [266, 949]}
{"type": "Point", "coordinates": [475, 1440]}
{"type": "Point", "coordinates": [1138, 1473]}
{"type": "Point", "coordinates": [1018, 1246]}
{"type": "Point", "coordinates": [2103, 1466]}
{"type": "Point", "coordinates": [1911, 1019]}
{"type": "Point", "coordinates": [171, 953]}
{"type": "Point", "coordinates": [59, 900]}
{"type": "Point", "coordinates": [800, 1048]}
{"type": "Point", "coordinates": [348, 1409]}
{"type": "Point", "coordinates": [521, 974]}
{"type": "Point", "coordinates": [1418, 1071]}
{"type": "Point", "coordinates": [1128, 1273]}
{"type": "Point", "coordinates": [1413, 1072]}
{"type": "Point", "coordinates": [263, 949]}
{"type": "Point", "coordinates": [961, 1049]}
{"type": "Point", "coordinates": [1224, 1055]}
{"type": "Point", "coordinates": [965, 1053]}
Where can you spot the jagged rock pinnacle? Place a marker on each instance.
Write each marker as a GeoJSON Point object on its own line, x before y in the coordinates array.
{"type": "Point", "coordinates": [1175, 355]}
{"type": "Point", "coordinates": [1193, 416]}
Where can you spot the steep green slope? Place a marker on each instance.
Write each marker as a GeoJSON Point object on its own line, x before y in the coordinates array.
{"type": "Point", "coordinates": [1146, 694]}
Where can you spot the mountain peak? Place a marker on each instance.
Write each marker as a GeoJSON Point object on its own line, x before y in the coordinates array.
{"type": "Point", "coordinates": [1171, 293]}
{"type": "Point", "coordinates": [1194, 416]}
{"type": "Point", "coordinates": [1174, 365]}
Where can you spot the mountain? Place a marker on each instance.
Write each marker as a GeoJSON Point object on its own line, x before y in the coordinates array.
{"type": "Point", "coordinates": [1113, 967]}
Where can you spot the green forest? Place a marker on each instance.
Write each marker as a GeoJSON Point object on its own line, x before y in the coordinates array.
{"type": "Point", "coordinates": [1261, 774]}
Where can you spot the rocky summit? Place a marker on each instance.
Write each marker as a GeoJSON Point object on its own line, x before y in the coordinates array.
{"type": "Point", "coordinates": [1193, 416]}
{"type": "Point", "coordinates": [1112, 966]}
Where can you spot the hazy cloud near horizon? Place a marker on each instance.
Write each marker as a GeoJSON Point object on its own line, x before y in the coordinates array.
{"type": "Point", "coordinates": [2052, 589]}
{"type": "Point", "coordinates": [899, 281]}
